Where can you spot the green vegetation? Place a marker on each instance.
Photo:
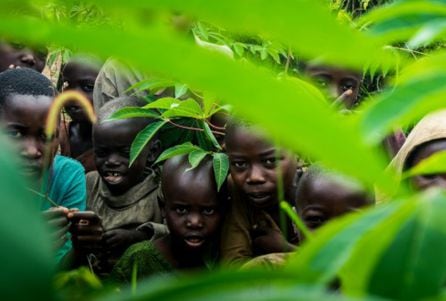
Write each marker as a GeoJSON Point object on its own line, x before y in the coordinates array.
{"type": "Point", "coordinates": [394, 251]}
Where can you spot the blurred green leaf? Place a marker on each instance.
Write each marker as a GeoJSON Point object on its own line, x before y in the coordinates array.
{"type": "Point", "coordinates": [132, 112]}
{"type": "Point", "coordinates": [210, 135]}
{"type": "Point", "coordinates": [435, 163]}
{"type": "Point", "coordinates": [26, 257]}
{"type": "Point", "coordinates": [143, 138]}
{"type": "Point", "coordinates": [221, 168]}
{"type": "Point", "coordinates": [414, 265]}
{"type": "Point", "coordinates": [180, 90]}
{"type": "Point", "coordinates": [176, 150]}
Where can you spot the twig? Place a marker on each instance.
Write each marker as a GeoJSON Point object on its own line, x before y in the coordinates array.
{"type": "Point", "coordinates": [44, 196]}
{"type": "Point", "coordinates": [192, 128]}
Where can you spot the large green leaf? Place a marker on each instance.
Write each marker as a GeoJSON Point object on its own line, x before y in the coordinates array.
{"type": "Point", "coordinates": [326, 254]}
{"type": "Point", "coordinates": [186, 108]}
{"type": "Point", "coordinates": [239, 83]}
{"type": "Point", "coordinates": [414, 265]}
{"type": "Point", "coordinates": [26, 257]}
{"type": "Point", "coordinates": [227, 286]}
{"type": "Point", "coordinates": [143, 138]}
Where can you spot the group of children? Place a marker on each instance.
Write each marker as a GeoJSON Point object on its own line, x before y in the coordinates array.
{"type": "Point", "coordinates": [143, 219]}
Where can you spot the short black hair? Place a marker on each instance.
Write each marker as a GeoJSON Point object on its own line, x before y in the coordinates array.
{"type": "Point", "coordinates": [24, 81]}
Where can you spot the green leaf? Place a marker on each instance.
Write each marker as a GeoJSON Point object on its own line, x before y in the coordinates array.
{"type": "Point", "coordinates": [221, 168]}
{"type": "Point", "coordinates": [427, 34]}
{"type": "Point", "coordinates": [210, 136]}
{"type": "Point", "coordinates": [176, 150]}
{"type": "Point", "coordinates": [132, 112]}
{"type": "Point", "coordinates": [186, 108]}
{"type": "Point", "coordinates": [180, 90]}
{"type": "Point", "coordinates": [432, 165]}
{"type": "Point", "coordinates": [195, 157]}
{"type": "Point", "coordinates": [152, 85]}
{"type": "Point", "coordinates": [414, 265]}
{"type": "Point", "coordinates": [143, 138]}
{"type": "Point", "coordinates": [164, 103]}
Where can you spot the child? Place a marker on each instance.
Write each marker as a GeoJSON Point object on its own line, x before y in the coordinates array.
{"type": "Point", "coordinates": [322, 196]}
{"type": "Point", "coordinates": [16, 55]}
{"type": "Point", "coordinates": [193, 217]}
{"type": "Point", "coordinates": [123, 197]}
{"type": "Point", "coordinates": [79, 74]}
{"type": "Point", "coordinates": [25, 99]}
{"type": "Point", "coordinates": [342, 85]}
{"type": "Point", "coordinates": [252, 227]}
{"type": "Point", "coordinates": [427, 138]}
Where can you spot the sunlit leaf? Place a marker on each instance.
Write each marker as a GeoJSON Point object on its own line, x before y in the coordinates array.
{"type": "Point", "coordinates": [185, 108]}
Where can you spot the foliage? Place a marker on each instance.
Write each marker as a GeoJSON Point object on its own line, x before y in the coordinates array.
{"type": "Point", "coordinates": [393, 251]}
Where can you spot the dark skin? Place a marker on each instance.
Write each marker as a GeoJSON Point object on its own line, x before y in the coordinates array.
{"type": "Point", "coordinates": [422, 152]}
{"type": "Point", "coordinates": [323, 198]}
{"type": "Point", "coordinates": [79, 77]}
{"type": "Point", "coordinates": [342, 85]}
{"type": "Point", "coordinates": [193, 216]}
{"type": "Point", "coordinates": [254, 163]}
{"type": "Point", "coordinates": [19, 56]}
{"type": "Point", "coordinates": [112, 141]}
{"type": "Point", "coordinates": [23, 119]}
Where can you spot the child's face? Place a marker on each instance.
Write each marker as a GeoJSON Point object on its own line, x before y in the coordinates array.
{"type": "Point", "coordinates": [422, 182]}
{"type": "Point", "coordinates": [15, 55]}
{"type": "Point", "coordinates": [337, 81]}
{"type": "Point", "coordinates": [81, 78]}
{"type": "Point", "coordinates": [24, 119]}
{"type": "Point", "coordinates": [111, 142]}
{"type": "Point", "coordinates": [322, 199]}
{"type": "Point", "coordinates": [254, 165]}
{"type": "Point", "coordinates": [192, 211]}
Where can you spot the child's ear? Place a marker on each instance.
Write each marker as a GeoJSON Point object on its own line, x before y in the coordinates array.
{"type": "Point", "coordinates": [154, 150]}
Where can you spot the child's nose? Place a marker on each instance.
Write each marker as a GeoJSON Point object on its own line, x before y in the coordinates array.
{"type": "Point", "coordinates": [113, 160]}
{"type": "Point", "coordinates": [256, 175]}
{"type": "Point", "coordinates": [194, 221]}
{"type": "Point", "coordinates": [32, 149]}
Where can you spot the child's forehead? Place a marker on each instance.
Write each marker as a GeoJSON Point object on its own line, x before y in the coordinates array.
{"type": "Point", "coordinates": [30, 102]}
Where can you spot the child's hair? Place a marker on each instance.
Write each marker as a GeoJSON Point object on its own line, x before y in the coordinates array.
{"type": "Point", "coordinates": [24, 81]}
{"type": "Point", "coordinates": [316, 172]}
{"type": "Point", "coordinates": [107, 110]}
{"type": "Point", "coordinates": [80, 59]}
{"type": "Point", "coordinates": [177, 166]}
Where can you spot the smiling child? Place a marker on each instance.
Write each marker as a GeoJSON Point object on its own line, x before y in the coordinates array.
{"type": "Point", "coordinates": [124, 197]}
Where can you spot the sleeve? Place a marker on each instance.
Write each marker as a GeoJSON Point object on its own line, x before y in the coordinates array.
{"type": "Point", "coordinates": [236, 243]}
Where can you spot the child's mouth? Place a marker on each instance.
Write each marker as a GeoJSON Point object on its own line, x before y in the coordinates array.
{"type": "Point", "coordinates": [194, 241]}
{"type": "Point", "coordinates": [113, 177]}
{"type": "Point", "coordinates": [259, 197]}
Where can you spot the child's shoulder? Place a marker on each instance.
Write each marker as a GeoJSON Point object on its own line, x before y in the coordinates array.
{"type": "Point", "coordinates": [66, 164]}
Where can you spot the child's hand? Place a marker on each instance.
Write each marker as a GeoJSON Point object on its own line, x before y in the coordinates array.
{"type": "Point", "coordinates": [57, 218]}
{"type": "Point", "coordinates": [122, 238]}
{"type": "Point", "coordinates": [86, 231]}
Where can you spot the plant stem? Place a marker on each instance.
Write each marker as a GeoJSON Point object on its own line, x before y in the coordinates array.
{"type": "Point", "coordinates": [191, 128]}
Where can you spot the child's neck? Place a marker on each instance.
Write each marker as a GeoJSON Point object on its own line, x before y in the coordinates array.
{"type": "Point", "coordinates": [178, 257]}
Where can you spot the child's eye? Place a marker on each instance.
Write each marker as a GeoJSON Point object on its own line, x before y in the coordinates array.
{"type": "Point", "coordinates": [314, 221]}
{"type": "Point", "coordinates": [348, 86]}
{"type": "Point", "coordinates": [239, 164]}
{"type": "Point", "coordinates": [14, 134]}
{"type": "Point", "coordinates": [88, 87]}
{"type": "Point", "coordinates": [125, 152]}
{"type": "Point", "coordinates": [100, 152]}
{"type": "Point", "coordinates": [181, 210]}
{"type": "Point", "coordinates": [208, 211]}
{"type": "Point", "coordinates": [270, 162]}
